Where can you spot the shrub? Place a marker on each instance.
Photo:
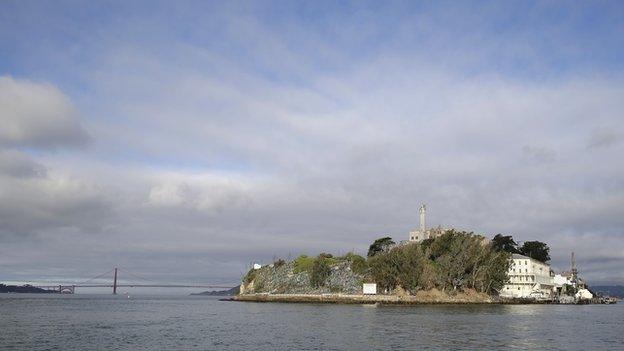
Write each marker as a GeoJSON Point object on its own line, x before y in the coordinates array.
{"type": "Point", "coordinates": [320, 272]}
{"type": "Point", "coordinates": [279, 263]}
{"type": "Point", "coordinates": [359, 264]}
{"type": "Point", "coordinates": [258, 286]}
{"type": "Point", "coordinates": [303, 263]}
{"type": "Point", "coordinates": [250, 276]}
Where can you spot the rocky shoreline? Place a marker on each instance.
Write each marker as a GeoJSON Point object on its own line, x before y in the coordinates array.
{"type": "Point", "coordinates": [350, 299]}
{"type": "Point", "coordinates": [424, 298]}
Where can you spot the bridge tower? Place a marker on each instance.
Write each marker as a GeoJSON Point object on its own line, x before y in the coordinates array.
{"type": "Point", "coordinates": [115, 282]}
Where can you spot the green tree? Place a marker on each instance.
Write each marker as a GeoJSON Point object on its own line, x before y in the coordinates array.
{"type": "Point", "coordinates": [504, 243]}
{"type": "Point", "coordinates": [536, 250]}
{"type": "Point", "coordinates": [410, 266]}
{"type": "Point", "coordinates": [384, 269]}
{"type": "Point", "coordinates": [380, 245]}
{"type": "Point", "coordinates": [320, 272]}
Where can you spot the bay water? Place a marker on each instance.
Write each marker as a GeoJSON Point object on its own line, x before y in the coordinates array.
{"type": "Point", "coordinates": [107, 322]}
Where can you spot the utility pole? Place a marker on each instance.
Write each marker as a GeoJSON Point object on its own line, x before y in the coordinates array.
{"type": "Point", "coordinates": [115, 283]}
{"type": "Point", "coordinates": [573, 270]}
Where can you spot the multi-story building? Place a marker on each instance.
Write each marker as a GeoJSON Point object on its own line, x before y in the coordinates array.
{"type": "Point", "coordinates": [528, 278]}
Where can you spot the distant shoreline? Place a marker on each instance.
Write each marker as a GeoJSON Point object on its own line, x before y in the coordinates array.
{"type": "Point", "coordinates": [23, 289]}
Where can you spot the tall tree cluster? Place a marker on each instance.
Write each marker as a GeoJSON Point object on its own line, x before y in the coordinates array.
{"type": "Point", "coordinates": [453, 261]}
{"type": "Point", "coordinates": [534, 249]}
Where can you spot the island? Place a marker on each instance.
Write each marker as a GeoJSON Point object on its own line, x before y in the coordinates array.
{"type": "Point", "coordinates": [435, 266]}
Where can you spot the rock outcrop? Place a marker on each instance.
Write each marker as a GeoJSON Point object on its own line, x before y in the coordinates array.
{"type": "Point", "coordinates": [283, 279]}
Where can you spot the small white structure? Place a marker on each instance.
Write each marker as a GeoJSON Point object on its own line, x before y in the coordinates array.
{"type": "Point", "coordinates": [583, 294]}
{"type": "Point", "coordinates": [369, 288]}
{"type": "Point", "coordinates": [528, 278]}
{"type": "Point", "coordinates": [560, 280]}
{"type": "Point", "coordinates": [257, 266]}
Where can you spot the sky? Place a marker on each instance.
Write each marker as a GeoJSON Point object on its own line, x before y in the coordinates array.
{"type": "Point", "coordinates": [184, 140]}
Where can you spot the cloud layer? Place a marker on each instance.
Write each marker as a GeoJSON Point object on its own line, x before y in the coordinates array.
{"type": "Point", "coordinates": [251, 139]}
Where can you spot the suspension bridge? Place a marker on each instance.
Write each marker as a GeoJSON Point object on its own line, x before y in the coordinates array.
{"type": "Point", "coordinates": [95, 282]}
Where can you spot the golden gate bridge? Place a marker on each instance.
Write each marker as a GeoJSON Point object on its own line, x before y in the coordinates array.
{"type": "Point", "coordinates": [91, 283]}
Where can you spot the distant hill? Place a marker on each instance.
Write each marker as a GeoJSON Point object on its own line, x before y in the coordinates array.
{"type": "Point", "coordinates": [609, 290]}
{"type": "Point", "coordinates": [23, 289]}
{"type": "Point", "coordinates": [229, 292]}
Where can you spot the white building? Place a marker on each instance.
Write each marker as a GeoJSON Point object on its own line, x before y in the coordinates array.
{"type": "Point", "coordinates": [422, 233]}
{"type": "Point", "coordinates": [528, 278]}
{"type": "Point", "coordinates": [561, 279]}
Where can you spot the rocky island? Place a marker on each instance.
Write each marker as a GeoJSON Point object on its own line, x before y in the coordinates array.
{"type": "Point", "coordinates": [454, 267]}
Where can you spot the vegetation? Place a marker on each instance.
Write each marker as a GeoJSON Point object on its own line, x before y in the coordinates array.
{"type": "Point", "coordinates": [250, 276]}
{"type": "Point", "coordinates": [505, 243]}
{"type": "Point", "coordinates": [534, 249]}
{"type": "Point", "coordinates": [358, 263]}
{"type": "Point", "coordinates": [455, 260]}
{"type": "Point", "coordinates": [303, 263]}
{"type": "Point", "coordinates": [320, 271]}
{"type": "Point", "coordinates": [380, 245]}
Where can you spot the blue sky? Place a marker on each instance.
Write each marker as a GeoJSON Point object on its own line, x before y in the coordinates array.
{"type": "Point", "coordinates": [183, 129]}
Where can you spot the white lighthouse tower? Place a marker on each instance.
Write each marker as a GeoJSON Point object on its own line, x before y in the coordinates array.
{"type": "Point", "coordinates": [422, 233]}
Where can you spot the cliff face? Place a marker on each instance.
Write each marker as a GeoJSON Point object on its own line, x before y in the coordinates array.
{"type": "Point", "coordinates": [285, 279]}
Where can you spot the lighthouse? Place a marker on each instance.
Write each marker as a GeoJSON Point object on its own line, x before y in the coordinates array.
{"type": "Point", "coordinates": [422, 233]}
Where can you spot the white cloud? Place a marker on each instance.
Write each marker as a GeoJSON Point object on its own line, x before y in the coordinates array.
{"type": "Point", "coordinates": [209, 193]}
{"type": "Point", "coordinates": [37, 115]}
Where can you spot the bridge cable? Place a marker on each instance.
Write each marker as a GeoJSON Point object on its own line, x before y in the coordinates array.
{"type": "Point", "coordinates": [137, 276]}
{"type": "Point", "coordinates": [96, 277]}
